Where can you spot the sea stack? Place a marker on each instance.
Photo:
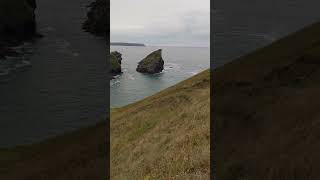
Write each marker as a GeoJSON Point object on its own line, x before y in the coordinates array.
{"type": "Point", "coordinates": [115, 60]}
{"type": "Point", "coordinates": [17, 20]}
{"type": "Point", "coordinates": [151, 64]}
{"type": "Point", "coordinates": [96, 22]}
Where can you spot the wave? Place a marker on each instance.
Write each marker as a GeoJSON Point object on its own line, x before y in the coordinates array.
{"type": "Point", "coordinates": [114, 82]}
{"type": "Point", "coordinates": [130, 76]}
{"type": "Point", "coordinates": [171, 67]}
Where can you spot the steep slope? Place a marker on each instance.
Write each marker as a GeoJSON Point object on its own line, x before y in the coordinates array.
{"type": "Point", "coordinates": [81, 155]}
{"type": "Point", "coordinates": [165, 135]}
{"type": "Point", "coordinates": [266, 111]}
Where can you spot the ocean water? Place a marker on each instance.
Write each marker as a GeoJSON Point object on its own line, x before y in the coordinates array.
{"type": "Point", "coordinates": [180, 63]}
{"type": "Point", "coordinates": [241, 27]}
{"type": "Point", "coordinates": [66, 87]}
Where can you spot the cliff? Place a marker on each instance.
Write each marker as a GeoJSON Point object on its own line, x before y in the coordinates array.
{"type": "Point", "coordinates": [97, 15]}
{"type": "Point", "coordinates": [17, 21]}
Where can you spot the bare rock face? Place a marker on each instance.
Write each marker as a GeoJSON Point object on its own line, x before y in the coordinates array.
{"type": "Point", "coordinates": [17, 20]}
{"type": "Point", "coordinates": [115, 60]}
{"type": "Point", "coordinates": [97, 15]}
{"type": "Point", "coordinates": [151, 64]}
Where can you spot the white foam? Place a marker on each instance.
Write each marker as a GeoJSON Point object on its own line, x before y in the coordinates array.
{"type": "Point", "coordinates": [114, 82]}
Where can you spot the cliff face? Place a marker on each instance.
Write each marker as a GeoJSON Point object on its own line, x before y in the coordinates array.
{"type": "Point", "coordinates": [97, 18]}
{"type": "Point", "coordinates": [115, 60]}
{"type": "Point", "coordinates": [17, 21]}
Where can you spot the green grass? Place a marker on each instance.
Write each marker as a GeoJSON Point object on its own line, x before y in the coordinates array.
{"type": "Point", "coordinates": [80, 155]}
{"type": "Point", "coordinates": [165, 136]}
{"type": "Point", "coordinates": [266, 111]}
{"type": "Point", "coordinates": [115, 65]}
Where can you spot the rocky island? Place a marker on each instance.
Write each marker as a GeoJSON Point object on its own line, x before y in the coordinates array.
{"type": "Point", "coordinates": [151, 64]}
{"type": "Point", "coordinates": [125, 44]}
{"type": "Point", "coordinates": [96, 22]}
{"type": "Point", "coordinates": [115, 61]}
{"type": "Point", "coordinates": [17, 21]}
{"type": "Point", "coordinates": [17, 25]}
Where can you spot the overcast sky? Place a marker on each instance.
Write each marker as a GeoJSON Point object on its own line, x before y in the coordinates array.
{"type": "Point", "coordinates": [161, 22]}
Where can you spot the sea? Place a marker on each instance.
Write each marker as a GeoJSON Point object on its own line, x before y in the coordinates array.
{"type": "Point", "coordinates": [180, 63]}
{"type": "Point", "coordinates": [65, 89]}
{"type": "Point", "coordinates": [238, 28]}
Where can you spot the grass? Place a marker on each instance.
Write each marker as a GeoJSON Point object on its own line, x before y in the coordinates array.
{"type": "Point", "coordinates": [266, 111]}
{"type": "Point", "coordinates": [165, 136]}
{"type": "Point", "coordinates": [80, 155]}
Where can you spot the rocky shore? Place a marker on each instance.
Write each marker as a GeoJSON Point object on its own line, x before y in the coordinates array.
{"type": "Point", "coordinates": [17, 25]}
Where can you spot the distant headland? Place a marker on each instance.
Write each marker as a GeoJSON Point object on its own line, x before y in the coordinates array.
{"type": "Point", "coordinates": [125, 44]}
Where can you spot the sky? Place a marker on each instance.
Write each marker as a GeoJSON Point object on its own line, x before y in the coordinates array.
{"type": "Point", "coordinates": [161, 22]}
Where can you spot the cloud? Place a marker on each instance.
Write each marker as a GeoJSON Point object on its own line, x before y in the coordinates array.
{"type": "Point", "coordinates": [169, 22]}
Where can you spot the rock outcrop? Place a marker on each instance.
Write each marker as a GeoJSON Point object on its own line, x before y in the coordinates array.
{"type": "Point", "coordinates": [115, 61]}
{"type": "Point", "coordinates": [97, 18]}
{"type": "Point", "coordinates": [17, 21]}
{"type": "Point", "coordinates": [151, 64]}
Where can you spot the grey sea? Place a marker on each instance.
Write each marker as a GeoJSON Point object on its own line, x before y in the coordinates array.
{"type": "Point", "coordinates": [180, 63]}
{"type": "Point", "coordinates": [241, 27]}
{"type": "Point", "coordinates": [66, 87]}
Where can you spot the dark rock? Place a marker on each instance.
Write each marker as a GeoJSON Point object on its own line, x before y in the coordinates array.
{"type": "Point", "coordinates": [96, 22]}
{"type": "Point", "coordinates": [117, 55]}
{"type": "Point", "coordinates": [115, 61]}
{"type": "Point", "coordinates": [151, 64]}
{"type": "Point", "coordinates": [17, 21]}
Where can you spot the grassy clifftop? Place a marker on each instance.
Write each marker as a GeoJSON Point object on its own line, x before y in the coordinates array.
{"type": "Point", "coordinates": [266, 111]}
{"type": "Point", "coordinates": [81, 155]}
{"type": "Point", "coordinates": [164, 136]}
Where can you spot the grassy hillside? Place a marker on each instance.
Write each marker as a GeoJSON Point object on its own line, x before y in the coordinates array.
{"type": "Point", "coordinates": [165, 136]}
{"type": "Point", "coordinates": [81, 155]}
{"type": "Point", "coordinates": [266, 111]}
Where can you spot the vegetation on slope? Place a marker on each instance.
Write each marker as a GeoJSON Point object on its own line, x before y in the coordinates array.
{"type": "Point", "coordinates": [164, 136]}
{"type": "Point", "coordinates": [115, 62]}
{"type": "Point", "coordinates": [266, 111]}
{"type": "Point", "coordinates": [81, 155]}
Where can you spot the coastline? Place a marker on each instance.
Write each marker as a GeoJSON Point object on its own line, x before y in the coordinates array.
{"type": "Point", "coordinates": [81, 154]}
{"type": "Point", "coordinates": [15, 60]}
